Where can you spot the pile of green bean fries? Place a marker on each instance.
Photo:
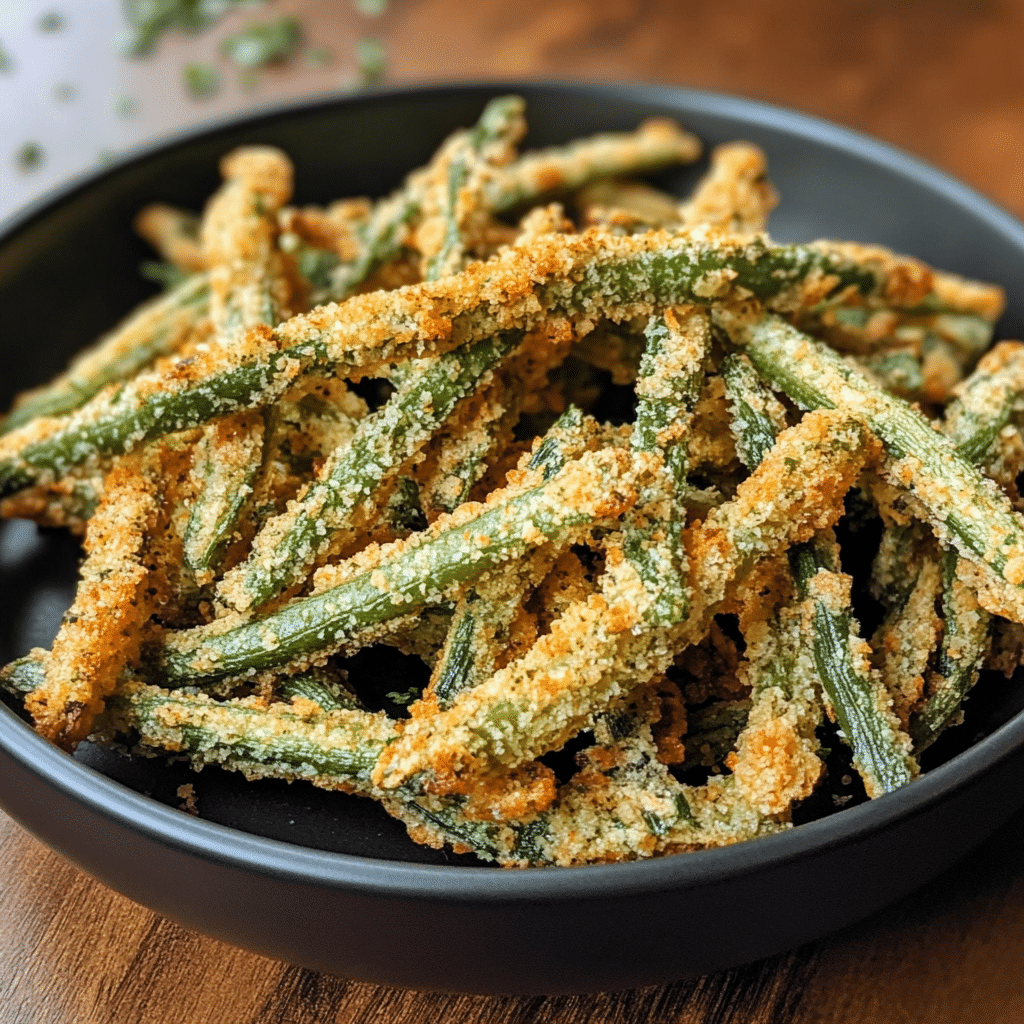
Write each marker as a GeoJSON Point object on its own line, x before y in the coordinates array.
{"type": "Point", "coordinates": [590, 452]}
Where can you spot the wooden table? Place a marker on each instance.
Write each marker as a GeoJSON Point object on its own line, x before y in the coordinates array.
{"type": "Point", "coordinates": [941, 78]}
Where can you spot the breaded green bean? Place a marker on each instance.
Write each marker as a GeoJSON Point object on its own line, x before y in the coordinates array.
{"type": "Point", "coordinates": [404, 576]}
{"type": "Point", "coordinates": [101, 632]}
{"type": "Point", "coordinates": [348, 485]}
{"type": "Point", "coordinates": [985, 401]}
{"type": "Point", "coordinates": [881, 750]}
{"type": "Point", "coordinates": [667, 387]}
{"type": "Point", "coordinates": [601, 649]}
{"type": "Point", "coordinates": [485, 612]}
{"type": "Point", "coordinates": [299, 740]}
{"type": "Point", "coordinates": [965, 643]}
{"type": "Point", "coordinates": [656, 143]}
{"type": "Point", "coordinates": [227, 460]}
{"type": "Point", "coordinates": [735, 194]}
{"type": "Point", "coordinates": [489, 144]}
{"type": "Point", "coordinates": [757, 415]}
{"type": "Point", "coordinates": [776, 759]}
{"type": "Point", "coordinates": [963, 507]}
{"type": "Point", "coordinates": [157, 328]}
{"type": "Point", "coordinates": [174, 234]}
{"type": "Point", "coordinates": [558, 277]}
{"type": "Point", "coordinates": [250, 284]}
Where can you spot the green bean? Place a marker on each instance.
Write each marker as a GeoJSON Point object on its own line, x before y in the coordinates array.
{"type": "Point", "coordinates": [499, 128]}
{"type": "Point", "coordinates": [961, 505]}
{"type": "Point", "coordinates": [964, 644]}
{"type": "Point", "coordinates": [20, 677]}
{"type": "Point", "coordinates": [598, 651]}
{"type": "Point", "coordinates": [335, 749]}
{"type": "Point", "coordinates": [157, 328]}
{"type": "Point", "coordinates": [384, 441]}
{"type": "Point", "coordinates": [735, 194]}
{"type": "Point", "coordinates": [609, 200]}
{"type": "Point", "coordinates": [757, 415]}
{"type": "Point", "coordinates": [490, 605]}
{"type": "Point", "coordinates": [174, 234]}
{"type": "Point", "coordinates": [776, 760]}
{"type": "Point", "coordinates": [826, 637]}
{"type": "Point", "coordinates": [322, 688]}
{"type": "Point", "coordinates": [880, 750]}
{"type": "Point", "coordinates": [228, 458]}
{"type": "Point", "coordinates": [250, 285]}
{"type": "Point", "coordinates": [654, 145]}
{"type": "Point", "coordinates": [986, 400]}
{"type": "Point", "coordinates": [380, 240]}
{"type": "Point", "coordinates": [668, 385]}
{"type": "Point", "coordinates": [382, 236]}
{"type": "Point", "coordinates": [408, 575]}
{"type": "Point", "coordinates": [558, 276]}
{"type": "Point", "coordinates": [454, 669]}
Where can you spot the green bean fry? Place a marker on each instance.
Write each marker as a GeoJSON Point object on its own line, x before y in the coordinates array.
{"type": "Point", "coordinates": [686, 528]}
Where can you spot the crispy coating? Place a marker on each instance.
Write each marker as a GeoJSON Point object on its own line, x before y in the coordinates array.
{"type": "Point", "coordinates": [735, 194]}
{"type": "Point", "coordinates": [547, 624]}
{"type": "Point", "coordinates": [102, 630]}
{"type": "Point", "coordinates": [174, 234]}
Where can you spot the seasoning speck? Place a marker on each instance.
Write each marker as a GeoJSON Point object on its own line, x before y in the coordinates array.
{"type": "Point", "coordinates": [51, 22]}
{"type": "Point", "coordinates": [201, 80]}
{"type": "Point", "coordinates": [64, 92]}
{"type": "Point", "coordinates": [126, 107]}
{"type": "Point", "coordinates": [321, 56]}
{"type": "Point", "coordinates": [262, 44]}
{"type": "Point", "coordinates": [370, 8]}
{"type": "Point", "coordinates": [371, 60]}
{"type": "Point", "coordinates": [29, 157]}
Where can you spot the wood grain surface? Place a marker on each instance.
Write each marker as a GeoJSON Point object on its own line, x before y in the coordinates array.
{"type": "Point", "coordinates": [943, 79]}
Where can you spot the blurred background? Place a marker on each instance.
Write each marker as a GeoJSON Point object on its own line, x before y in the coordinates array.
{"type": "Point", "coordinates": [82, 81]}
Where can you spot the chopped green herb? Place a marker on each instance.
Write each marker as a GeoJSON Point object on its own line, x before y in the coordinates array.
{"type": "Point", "coordinates": [262, 44]}
{"type": "Point", "coordinates": [370, 8]}
{"type": "Point", "coordinates": [249, 80]}
{"type": "Point", "coordinates": [371, 60]}
{"type": "Point", "coordinates": [6, 60]}
{"type": "Point", "coordinates": [201, 80]}
{"type": "Point", "coordinates": [148, 20]}
{"type": "Point", "coordinates": [106, 156]}
{"type": "Point", "coordinates": [321, 56]}
{"type": "Point", "coordinates": [29, 157]}
{"type": "Point", "coordinates": [51, 21]}
{"type": "Point", "coordinates": [403, 697]}
{"type": "Point", "coordinates": [64, 92]}
{"type": "Point", "coordinates": [126, 107]}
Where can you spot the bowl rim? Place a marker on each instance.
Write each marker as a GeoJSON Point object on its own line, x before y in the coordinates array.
{"type": "Point", "coordinates": [452, 883]}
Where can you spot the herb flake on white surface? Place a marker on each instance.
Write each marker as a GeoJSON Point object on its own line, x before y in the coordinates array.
{"type": "Point", "coordinates": [51, 22]}
{"type": "Point", "coordinates": [148, 20]}
{"type": "Point", "coordinates": [29, 157]}
{"type": "Point", "coordinates": [261, 44]}
{"type": "Point", "coordinates": [126, 107]}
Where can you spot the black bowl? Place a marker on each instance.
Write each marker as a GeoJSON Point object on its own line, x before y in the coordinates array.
{"type": "Point", "coordinates": [330, 882]}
